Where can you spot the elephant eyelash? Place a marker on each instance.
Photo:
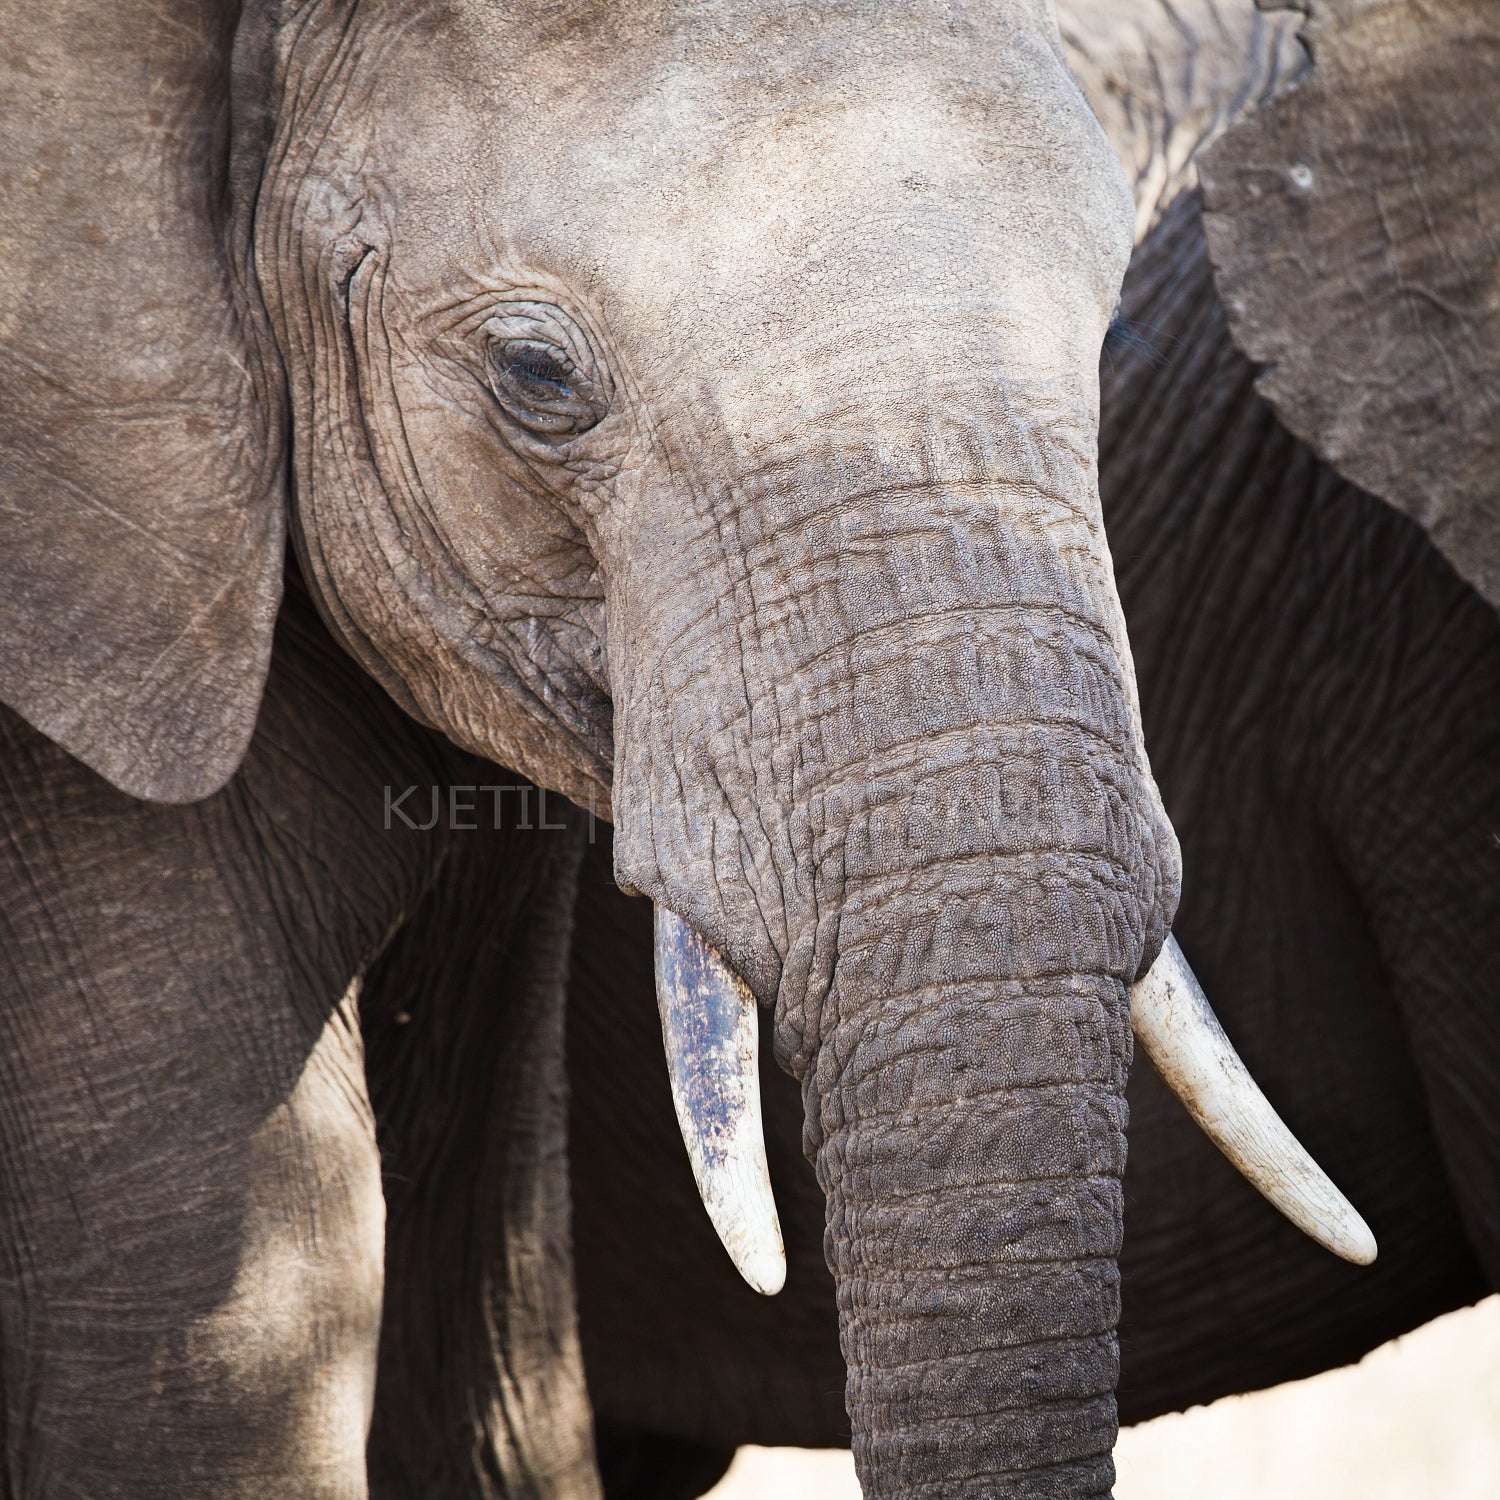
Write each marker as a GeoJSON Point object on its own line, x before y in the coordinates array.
{"type": "Point", "coordinates": [1124, 337]}
{"type": "Point", "coordinates": [542, 390]}
{"type": "Point", "coordinates": [544, 369]}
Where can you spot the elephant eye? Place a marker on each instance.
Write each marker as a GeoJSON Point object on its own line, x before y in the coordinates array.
{"type": "Point", "coordinates": [539, 369]}
{"type": "Point", "coordinates": [530, 362]}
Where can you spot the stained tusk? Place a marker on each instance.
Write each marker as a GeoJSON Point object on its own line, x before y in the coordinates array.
{"type": "Point", "coordinates": [1172, 1019]}
{"type": "Point", "coordinates": [712, 1041]}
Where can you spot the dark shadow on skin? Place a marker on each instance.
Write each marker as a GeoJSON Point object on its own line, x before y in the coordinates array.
{"type": "Point", "coordinates": [645, 1465]}
{"type": "Point", "coordinates": [674, 1341]}
{"type": "Point", "coordinates": [1321, 702]}
{"type": "Point", "coordinates": [463, 1027]}
{"type": "Point", "coordinates": [167, 973]}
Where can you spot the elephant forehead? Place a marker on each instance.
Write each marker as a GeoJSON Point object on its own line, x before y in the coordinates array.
{"type": "Point", "coordinates": [673, 175]}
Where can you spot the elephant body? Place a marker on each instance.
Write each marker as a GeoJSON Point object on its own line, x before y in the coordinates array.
{"type": "Point", "coordinates": [163, 1259]}
{"type": "Point", "coordinates": [693, 407]}
{"type": "Point", "coordinates": [1333, 692]}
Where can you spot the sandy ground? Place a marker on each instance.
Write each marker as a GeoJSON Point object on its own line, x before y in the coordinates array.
{"type": "Point", "coordinates": [1419, 1419]}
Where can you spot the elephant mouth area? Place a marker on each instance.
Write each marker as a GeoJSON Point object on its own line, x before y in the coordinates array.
{"type": "Point", "coordinates": [945, 1066]}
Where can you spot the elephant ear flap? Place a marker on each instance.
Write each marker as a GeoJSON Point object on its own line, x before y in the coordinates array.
{"type": "Point", "coordinates": [141, 514]}
{"type": "Point", "coordinates": [1355, 226]}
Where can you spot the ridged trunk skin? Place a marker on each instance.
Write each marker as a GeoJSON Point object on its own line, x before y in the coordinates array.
{"type": "Point", "coordinates": [959, 863]}
{"type": "Point", "coordinates": [973, 1141]}
{"type": "Point", "coordinates": [965, 1104]}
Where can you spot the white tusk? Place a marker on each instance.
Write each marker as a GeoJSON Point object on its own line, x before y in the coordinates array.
{"type": "Point", "coordinates": [1172, 1019]}
{"type": "Point", "coordinates": [712, 1041]}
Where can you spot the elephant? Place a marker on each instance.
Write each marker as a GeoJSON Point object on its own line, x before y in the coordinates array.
{"type": "Point", "coordinates": [693, 410]}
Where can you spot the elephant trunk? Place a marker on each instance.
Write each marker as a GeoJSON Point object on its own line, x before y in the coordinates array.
{"type": "Point", "coordinates": [969, 1114]}
{"type": "Point", "coordinates": [965, 1095]}
{"type": "Point", "coordinates": [907, 801]}
{"type": "Point", "coordinates": [986, 869]}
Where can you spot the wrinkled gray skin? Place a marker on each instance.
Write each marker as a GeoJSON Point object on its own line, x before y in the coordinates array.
{"type": "Point", "coordinates": [1319, 692]}
{"type": "Point", "coordinates": [694, 408]}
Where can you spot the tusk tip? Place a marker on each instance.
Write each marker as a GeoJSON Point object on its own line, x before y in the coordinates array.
{"type": "Point", "coordinates": [1355, 1244]}
{"type": "Point", "coordinates": [1177, 1029]}
{"type": "Point", "coordinates": [764, 1270]}
{"type": "Point", "coordinates": [753, 1240]}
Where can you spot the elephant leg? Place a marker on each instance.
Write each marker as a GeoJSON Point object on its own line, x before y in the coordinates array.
{"type": "Point", "coordinates": [481, 1389]}
{"type": "Point", "coordinates": [190, 1200]}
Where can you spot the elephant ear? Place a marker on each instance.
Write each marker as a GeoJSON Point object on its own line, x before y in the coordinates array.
{"type": "Point", "coordinates": [141, 519]}
{"type": "Point", "coordinates": [1355, 227]}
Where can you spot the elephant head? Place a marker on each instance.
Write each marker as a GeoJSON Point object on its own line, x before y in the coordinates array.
{"type": "Point", "coordinates": [694, 407]}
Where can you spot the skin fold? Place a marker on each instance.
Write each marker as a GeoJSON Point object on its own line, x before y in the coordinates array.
{"type": "Point", "coordinates": [1320, 693]}
{"type": "Point", "coordinates": [692, 408]}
